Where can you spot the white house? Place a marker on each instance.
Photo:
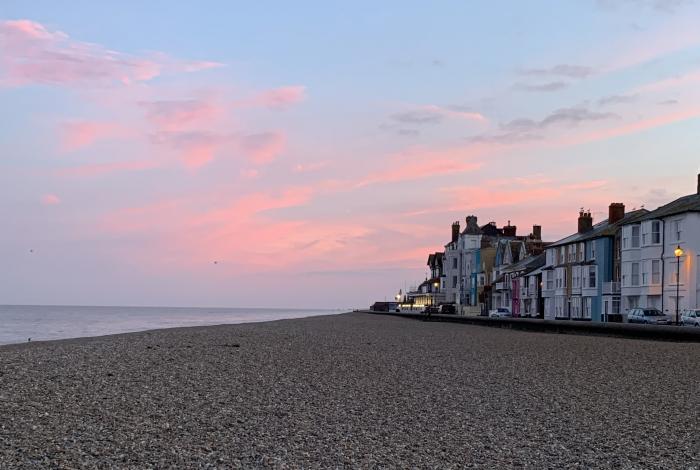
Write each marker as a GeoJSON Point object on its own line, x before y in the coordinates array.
{"type": "Point", "coordinates": [649, 264]}
{"type": "Point", "coordinates": [451, 267]}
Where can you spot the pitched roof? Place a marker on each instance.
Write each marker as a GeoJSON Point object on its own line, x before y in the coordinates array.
{"type": "Point", "coordinates": [601, 229]}
{"type": "Point", "coordinates": [526, 264]}
{"type": "Point", "coordinates": [472, 228]}
{"type": "Point", "coordinates": [690, 203]}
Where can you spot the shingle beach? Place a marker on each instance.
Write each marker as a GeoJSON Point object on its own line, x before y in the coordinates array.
{"type": "Point", "coordinates": [349, 391]}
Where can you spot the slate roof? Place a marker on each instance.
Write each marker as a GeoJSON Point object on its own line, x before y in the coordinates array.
{"type": "Point", "coordinates": [681, 205]}
{"type": "Point", "coordinates": [527, 264]}
{"type": "Point", "coordinates": [602, 229]}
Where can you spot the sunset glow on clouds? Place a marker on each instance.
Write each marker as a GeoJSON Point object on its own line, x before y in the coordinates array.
{"type": "Point", "coordinates": [140, 151]}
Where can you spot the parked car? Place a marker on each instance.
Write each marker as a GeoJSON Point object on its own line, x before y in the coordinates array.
{"type": "Point", "coordinates": [431, 309]}
{"type": "Point", "coordinates": [448, 309]}
{"type": "Point", "coordinates": [691, 317]}
{"type": "Point", "coordinates": [500, 312]}
{"type": "Point", "coordinates": [648, 316]}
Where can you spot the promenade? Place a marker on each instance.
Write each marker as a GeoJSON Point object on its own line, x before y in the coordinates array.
{"type": "Point", "coordinates": [619, 330]}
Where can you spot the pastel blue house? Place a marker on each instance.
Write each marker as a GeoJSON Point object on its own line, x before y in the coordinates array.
{"type": "Point", "coordinates": [581, 276]}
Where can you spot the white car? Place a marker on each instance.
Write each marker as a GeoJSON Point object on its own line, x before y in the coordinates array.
{"type": "Point", "coordinates": [691, 317]}
{"type": "Point", "coordinates": [500, 312]}
{"type": "Point", "coordinates": [648, 316]}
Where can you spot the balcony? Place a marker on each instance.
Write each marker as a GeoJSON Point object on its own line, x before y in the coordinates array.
{"type": "Point", "coordinates": [611, 288]}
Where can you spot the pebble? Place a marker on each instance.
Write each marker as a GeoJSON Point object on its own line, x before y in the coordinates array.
{"type": "Point", "coordinates": [351, 391]}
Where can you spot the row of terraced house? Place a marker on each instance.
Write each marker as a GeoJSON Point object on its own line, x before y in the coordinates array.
{"type": "Point", "coordinates": [632, 259]}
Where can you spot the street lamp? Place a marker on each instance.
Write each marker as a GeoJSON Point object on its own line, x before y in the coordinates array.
{"type": "Point", "coordinates": [678, 252]}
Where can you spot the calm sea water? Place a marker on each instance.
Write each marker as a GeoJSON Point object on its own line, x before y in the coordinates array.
{"type": "Point", "coordinates": [19, 322]}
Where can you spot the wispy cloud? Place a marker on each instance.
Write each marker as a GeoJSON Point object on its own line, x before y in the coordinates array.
{"type": "Point", "coordinates": [617, 99]}
{"type": "Point", "coordinates": [264, 147]}
{"type": "Point", "coordinates": [562, 70]}
{"type": "Point", "coordinates": [309, 167]}
{"type": "Point", "coordinates": [99, 169]}
{"type": "Point", "coordinates": [668, 6]}
{"type": "Point", "coordinates": [564, 116]}
{"type": "Point", "coordinates": [274, 98]}
{"type": "Point", "coordinates": [419, 165]}
{"type": "Point", "coordinates": [432, 114]}
{"type": "Point", "coordinates": [541, 87]}
{"type": "Point", "coordinates": [30, 53]}
{"type": "Point", "coordinates": [50, 200]}
{"type": "Point", "coordinates": [177, 115]}
{"type": "Point", "coordinates": [75, 135]}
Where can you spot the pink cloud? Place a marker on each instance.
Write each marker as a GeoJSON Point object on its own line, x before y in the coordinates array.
{"type": "Point", "coordinates": [196, 66]}
{"type": "Point", "coordinates": [32, 54]}
{"type": "Point", "coordinates": [179, 115]}
{"type": "Point", "coordinates": [249, 173]}
{"type": "Point", "coordinates": [264, 147]}
{"type": "Point", "coordinates": [195, 148]}
{"type": "Point", "coordinates": [453, 113]}
{"type": "Point", "coordinates": [50, 200]}
{"type": "Point", "coordinates": [240, 232]}
{"type": "Point", "coordinates": [99, 169]}
{"type": "Point", "coordinates": [78, 134]}
{"type": "Point", "coordinates": [421, 166]}
{"type": "Point", "coordinates": [198, 148]}
{"type": "Point", "coordinates": [662, 85]}
{"type": "Point", "coordinates": [586, 185]}
{"type": "Point", "coordinates": [630, 128]}
{"type": "Point", "coordinates": [309, 167]}
{"type": "Point", "coordinates": [280, 97]}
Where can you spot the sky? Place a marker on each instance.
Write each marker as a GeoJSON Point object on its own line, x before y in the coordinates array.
{"type": "Point", "coordinates": [311, 154]}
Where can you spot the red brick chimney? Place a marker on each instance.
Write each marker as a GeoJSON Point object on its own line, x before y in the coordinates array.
{"type": "Point", "coordinates": [455, 232]}
{"type": "Point", "coordinates": [509, 230]}
{"type": "Point", "coordinates": [537, 232]}
{"type": "Point", "coordinates": [585, 221]}
{"type": "Point", "coordinates": [616, 212]}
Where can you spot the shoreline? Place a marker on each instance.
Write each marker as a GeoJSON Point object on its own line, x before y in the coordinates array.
{"type": "Point", "coordinates": [349, 390]}
{"type": "Point", "coordinates": [148, 329]}
{"type": "Point", "coordinates": [157, 330]}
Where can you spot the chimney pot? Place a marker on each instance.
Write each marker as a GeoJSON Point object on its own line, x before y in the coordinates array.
{"type": "Point", "coordinates": [585, 221]}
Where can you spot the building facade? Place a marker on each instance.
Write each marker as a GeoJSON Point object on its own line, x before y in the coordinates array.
{"type": "Point", "coordinates": [652, 276]}
{"type": "Point", "coordinates": [581, 272]}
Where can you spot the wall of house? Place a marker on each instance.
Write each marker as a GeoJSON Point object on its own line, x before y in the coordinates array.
{"type": "Point", "coordinates": [450, 270]}
{"type": "Point", "coordinates": [641, 289]}
{"type": "Point", "coordinates": [690, 243]}
{"type": "Point", "coordinates": [604, 260]}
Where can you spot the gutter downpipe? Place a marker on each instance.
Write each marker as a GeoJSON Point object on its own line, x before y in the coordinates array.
{"type": "Point", "coordinates": [663, 263]}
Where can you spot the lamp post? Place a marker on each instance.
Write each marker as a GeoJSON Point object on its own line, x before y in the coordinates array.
{"type": "Point", "coordinates": [678, 252]}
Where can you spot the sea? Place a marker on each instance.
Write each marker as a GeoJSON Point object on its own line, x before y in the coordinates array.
{"type": "Point", "coordinates": [19, 323]}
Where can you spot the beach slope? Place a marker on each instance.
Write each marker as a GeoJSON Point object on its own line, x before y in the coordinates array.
{"type": "Point", "coordinates": [352, 390]}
